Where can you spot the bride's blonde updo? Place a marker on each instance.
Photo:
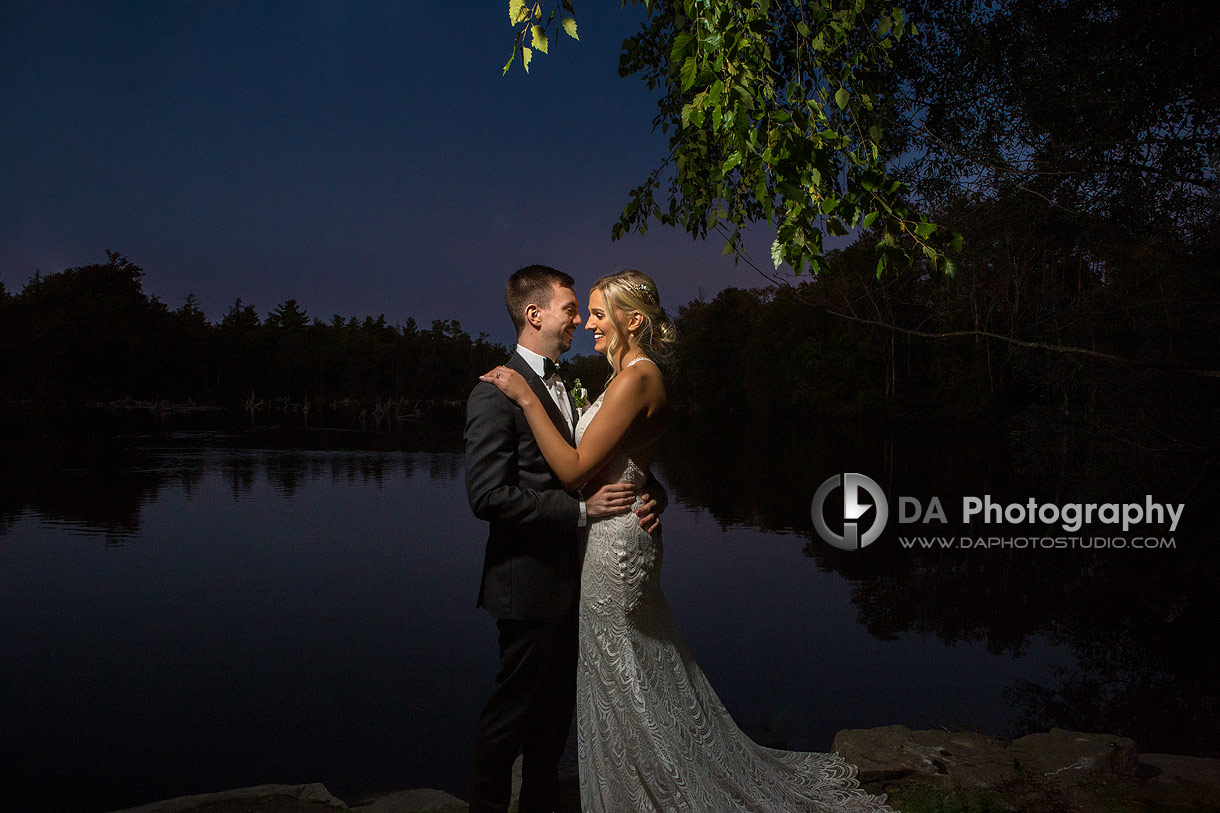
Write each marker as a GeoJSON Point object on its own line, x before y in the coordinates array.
{"type": "Point", "coordinates": [628, 291]}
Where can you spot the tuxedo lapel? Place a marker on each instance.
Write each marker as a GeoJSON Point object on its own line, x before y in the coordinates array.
{"type": "Point", "coordinates": [522, 366]}
{"type": "Point", "coordinates": [575, 412]}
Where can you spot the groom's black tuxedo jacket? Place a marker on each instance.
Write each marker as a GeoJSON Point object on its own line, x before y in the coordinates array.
{"type": "Point", "coordinates": [532, 565]}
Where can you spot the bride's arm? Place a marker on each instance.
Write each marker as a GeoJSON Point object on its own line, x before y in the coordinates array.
{"type": "Point", "coordinates": [625, 398]}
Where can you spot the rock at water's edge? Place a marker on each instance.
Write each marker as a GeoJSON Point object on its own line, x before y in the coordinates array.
{"type": "Point", "coordinates": [314, 793]}
{"type": "Point", "coordinates": [1072, 757]}
{"type": "Point", "coordinates": [424, 800]}
{"type": "Point", "coordinates": [959, 759]}
{"type": "Point", "coordinates": [1173, 768]}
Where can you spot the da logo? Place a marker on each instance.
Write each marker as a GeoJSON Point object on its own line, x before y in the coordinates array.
{"type": "Point", "coordinates": [852, 538]}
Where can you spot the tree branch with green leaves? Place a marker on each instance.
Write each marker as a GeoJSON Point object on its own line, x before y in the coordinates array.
{"type": "Point", "coordinates": [776, 114]}
{"type": "Point", "coordinates": [526, 18]}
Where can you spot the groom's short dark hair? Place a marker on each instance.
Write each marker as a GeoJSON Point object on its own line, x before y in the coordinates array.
{"type": "Point", "coordinates": [532, 285]}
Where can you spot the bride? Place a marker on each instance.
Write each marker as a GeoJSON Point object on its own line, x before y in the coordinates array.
{"type": "Point", "coordinates": [652, 734]}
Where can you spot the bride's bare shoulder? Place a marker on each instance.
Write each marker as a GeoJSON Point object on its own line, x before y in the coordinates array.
{"type": "Point", "coordinates": [643, 383]}
{"type": "Point", "coordinates": [639, 374]}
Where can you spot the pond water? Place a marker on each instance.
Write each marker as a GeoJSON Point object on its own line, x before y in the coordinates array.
{"type": "Point", "coordinates": [189, 611]}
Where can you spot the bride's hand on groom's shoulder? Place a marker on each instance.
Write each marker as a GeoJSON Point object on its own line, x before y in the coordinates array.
{"type": "Point", "coordinates": [510, 382]}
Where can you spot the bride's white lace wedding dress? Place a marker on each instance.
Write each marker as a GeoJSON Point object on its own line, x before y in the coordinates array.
{"type": "Point", "coordinates": [651, 733]}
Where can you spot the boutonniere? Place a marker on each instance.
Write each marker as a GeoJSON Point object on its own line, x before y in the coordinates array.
{"type": "Point", "coordinates": [580, 396]}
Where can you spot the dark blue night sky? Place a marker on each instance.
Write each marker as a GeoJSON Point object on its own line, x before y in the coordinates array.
{"type": "Point", "coordinates": [361, 158]}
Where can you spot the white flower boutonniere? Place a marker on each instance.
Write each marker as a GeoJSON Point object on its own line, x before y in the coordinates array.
{"type": "Point", "coordinates": [580, 396]}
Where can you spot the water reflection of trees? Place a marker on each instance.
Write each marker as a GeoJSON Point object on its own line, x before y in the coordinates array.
{"type": "Point", "coordinates": [90, 477]}
{"type": "Point", "coordinates": [72, 478]}
{"type": "Point", "coordinates": [1137, 620]}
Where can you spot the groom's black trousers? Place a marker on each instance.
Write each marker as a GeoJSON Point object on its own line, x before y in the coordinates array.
{"type": "Point", "coordinates": [530, 710]}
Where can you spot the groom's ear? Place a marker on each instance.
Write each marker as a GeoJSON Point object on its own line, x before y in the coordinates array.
{"type": "Point", "coordinates": [533, 315]}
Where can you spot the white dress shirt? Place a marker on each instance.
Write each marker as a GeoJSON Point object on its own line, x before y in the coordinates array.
{"type": "Point", "coordinates": [554, 386]}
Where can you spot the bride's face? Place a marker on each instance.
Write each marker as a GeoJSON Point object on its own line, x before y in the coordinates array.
{"type": "Point", "coordinates": [599, 322]}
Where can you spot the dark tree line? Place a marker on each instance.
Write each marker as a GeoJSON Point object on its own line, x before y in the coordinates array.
{"type": "Point", "coordinates": [91, 334]}
{"type": "Point", "coordinates": [840, 345]}
{"type": "Point", "coordinates": [1073, 144]}
{"type": "Point", "coordinates": [836, 347]}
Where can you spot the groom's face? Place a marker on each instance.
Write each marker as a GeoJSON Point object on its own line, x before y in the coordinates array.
{"type": "Point", "coordinates": [560, 318]}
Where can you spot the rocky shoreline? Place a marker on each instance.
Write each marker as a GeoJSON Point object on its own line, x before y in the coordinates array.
{"type": "Point", "coordinates": [922, 771]}
{"type": "Point", "coordinates": [945, 771]}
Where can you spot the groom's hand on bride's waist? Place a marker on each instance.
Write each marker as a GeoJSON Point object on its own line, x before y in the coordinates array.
{"type": "Point", "coordinates": [650, 518]}
{"type": "Point", "coordinates": [610, 499]}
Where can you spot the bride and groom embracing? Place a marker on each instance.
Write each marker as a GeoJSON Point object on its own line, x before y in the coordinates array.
{"type": "Point", "coordinates": [572, 575]}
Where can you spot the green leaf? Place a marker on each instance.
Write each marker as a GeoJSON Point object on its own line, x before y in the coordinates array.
{"type": "Point", "coordinates": [569, 26]}
{"type": "Point", "coordinates": [955, 242]}
{"type": "Point", "coordinates": [730, 162]}
{"type": "Point", "coordinates": [540, 41]}
{"type": "Point", "coordinates": [527, 54]}
{"type": "Point", "coordinates": [802, 29]}
{"type": "Point", "coordinates": [950, 267]}
{"type": "Point", "coordinates": [881, 263]}
{"type": "Point", "coordinates": [925, 230]}
{"type": "Point", "coordinates": [777, 253]}
{"type": "Point", "coordinates": [689, 70]}
{"type": "Point", "coordinates": [841, 98]}
{"type": "Point", "coordinates": [681, 42]}
{"type": "Point", "coordinates": [829, 205]}
{"type": "Point", "coordinates": [517, 12]}
{"type": "Point", "coordinates": [728, 248]}
{"type": "Point", "coordinates": [869, 219]}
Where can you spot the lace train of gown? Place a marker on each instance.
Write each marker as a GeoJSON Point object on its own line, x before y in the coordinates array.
{"type": "Point", "coordinates": [651, 733]}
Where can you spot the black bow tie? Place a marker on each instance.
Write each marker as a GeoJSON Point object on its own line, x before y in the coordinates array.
{"type": "Point", "coordinates": [549, 368]}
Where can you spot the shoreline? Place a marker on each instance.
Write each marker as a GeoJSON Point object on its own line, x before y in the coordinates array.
{"type": "Point", "coordinates": [921, 771]}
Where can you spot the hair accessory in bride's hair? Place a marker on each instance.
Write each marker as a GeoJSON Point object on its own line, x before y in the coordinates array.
{"type": "Point", "coordinates": [644, 289]}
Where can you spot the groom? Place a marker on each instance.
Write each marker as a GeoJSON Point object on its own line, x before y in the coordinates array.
{"type": "Point", "coordinates": [531, 572]}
